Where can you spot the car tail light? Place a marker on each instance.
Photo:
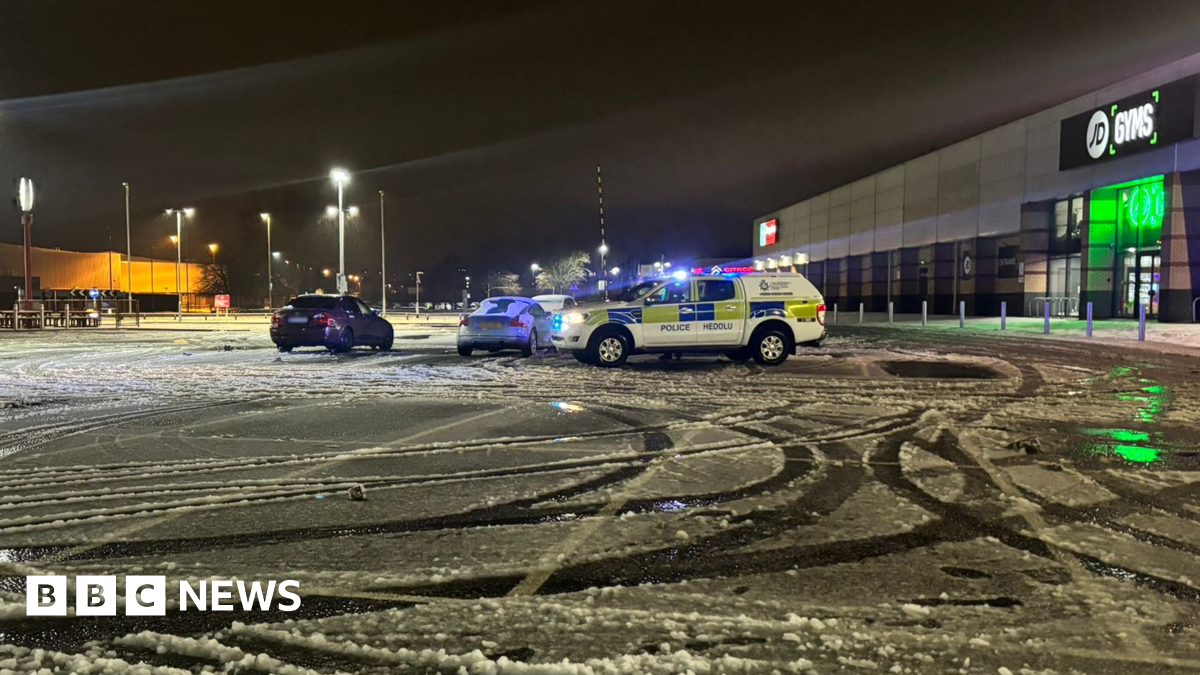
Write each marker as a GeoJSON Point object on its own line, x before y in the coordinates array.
{"type": "Point", "coordinates": [517, 323]}
{"type": "Point", "coordinates": [275, 318]}
{"type": "Point", "coordinates": [462, 320]}
{"type": "Point", "coordinates": [322, 319]}
{"type": "Point", "coordinates": [821, 313]}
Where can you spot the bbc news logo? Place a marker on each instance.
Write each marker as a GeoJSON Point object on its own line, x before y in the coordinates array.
{"type": "Point", "coordinates": [146, 595]}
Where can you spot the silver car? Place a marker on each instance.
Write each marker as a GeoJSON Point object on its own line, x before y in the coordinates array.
{"type": "Point", "coordinates": [555, 303]}
{"type": "Point", "coordinates": [505, 323]}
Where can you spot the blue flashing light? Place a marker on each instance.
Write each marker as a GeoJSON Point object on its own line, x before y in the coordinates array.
{"type": "Point", "coordinates": [679, 275]}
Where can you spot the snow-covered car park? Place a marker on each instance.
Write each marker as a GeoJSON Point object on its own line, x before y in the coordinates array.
{"type": "Point", "coordinates": [893, 501]}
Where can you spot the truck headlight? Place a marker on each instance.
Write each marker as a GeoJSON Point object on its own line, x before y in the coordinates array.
{"type": "Point", "coordinates": [574, 317]}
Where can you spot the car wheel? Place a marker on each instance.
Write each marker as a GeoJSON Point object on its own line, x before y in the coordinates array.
{"type": "Point", "coordinates": [464, 350]}
{"type": "Point", "coordinates": [531, 344]}
{"type": "Point", "coordinates": [741, 355]}
{"type": "Point", "coordinates": [285, 348]}
{"type": "Point", "coordinates": [581, 356]}
{"type": "Point", "coordinates": [770, 347]}
{"type": "Point", "coordinates": [388, 341]}
{"type": "Point", "coordinates": [608, 350]}
{"type": "Point", "coordinates": [347, 341]}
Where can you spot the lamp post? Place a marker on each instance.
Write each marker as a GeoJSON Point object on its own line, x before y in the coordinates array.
{"type": "Point", "coordinates": [603, 282]}
{"type": "Point", "coordinates": [340, 177]}
{"type": "Point", "coordinates": [603, 243]}
{"type": "Point", "coordinates": [178, 241]}
{"type": "Point", "coordinates": [212, 248]}
{"type": "Point", "coordinates": [382, 259]}
{"type": "Point", "coordinates": [266, 218]}
{"type": "Point", "coordinates": [129, 253]}
{"type": "Point", "coordinates": [533, 270]}
{"type": "Point", "coordinates": [25, 200]}
{"type": "Point", "coordinates": [419, 294]}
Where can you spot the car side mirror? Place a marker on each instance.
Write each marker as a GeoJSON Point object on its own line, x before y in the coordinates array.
{"type": "Point", "coordinates": [376, 312]}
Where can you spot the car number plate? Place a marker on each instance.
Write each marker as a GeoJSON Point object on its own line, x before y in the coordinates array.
{"type": "Point", "coordinates": [297, 319]}
{"type": "Point", "coordinates": [489, 325]}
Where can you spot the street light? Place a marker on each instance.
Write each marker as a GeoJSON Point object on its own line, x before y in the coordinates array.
{"type": "Point", "coordinates": [419, 294]}
{"type": "Point", "coordinates": [212, 248]}
{"type": "Point", "coordinates": [129, 255]}
{"type": "Point", "coordinates": [25, 200]}
{"type": "Point", "coordinates": [266, 218]}
{"type": "Point", "coordinates": [340, 177]}
{"type": "Point", "coordinates": [382, 260]}
{"type": "Point", "coordinates": [615, 271]}
{"type": "Point", "coordinates": [178, 241]}
{"type": "Point", "coordinates": [603, 251]}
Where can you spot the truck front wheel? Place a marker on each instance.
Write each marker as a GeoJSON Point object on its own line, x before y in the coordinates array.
{"type": "Point", "coordinates": [771, 347]}
{"type": "Point", "coordinates": [608, 349]}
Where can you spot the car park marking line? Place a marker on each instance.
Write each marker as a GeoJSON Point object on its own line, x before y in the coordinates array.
{"type": "Point", "coordinates": [331, 592]}
{"type": "Point", "coordinates": [1079, 575]}
{"type": "Point", "coordinates": [551, 561]}
{"type": "Point", "coordinates": [283, 491]}
{"type": "Point", "coordinates": [169, 517]}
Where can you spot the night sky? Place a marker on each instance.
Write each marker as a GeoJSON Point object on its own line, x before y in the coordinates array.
{"type": "Point", "coordinates": [484, 121]}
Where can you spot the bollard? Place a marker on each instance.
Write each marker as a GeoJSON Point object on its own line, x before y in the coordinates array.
{"type": "Point", "coordinates": [924, 313]}
{"type": "Point", "coordinates": [890, 312]}
{"type": "Point", "coordinates": [835, 313]}
{"type": "Point", "coordinates": [962, 314]}
{"type": "Point", "coordinates": [67, 316]}
{"type": "Point", "coordinates": [860, 313]}
{"type": "Point", "coordinates": [1003, 314]}
{"type": "Point", "coordinates": [1089, 317]}
{"type": "Point", "coordinates": [1141, 323]}
{"type": "Point", "coordinates": [1046, 319]}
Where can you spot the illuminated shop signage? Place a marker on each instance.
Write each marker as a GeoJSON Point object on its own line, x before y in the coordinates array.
{"type": "Point", "coordinates": [767, 231]}
{"type": "Point", "coordinates": [1143, 204]}
{"type": "Point", "coordinates": [724, 269]}
{"type": "Point", "coordinates": [1133, 124]}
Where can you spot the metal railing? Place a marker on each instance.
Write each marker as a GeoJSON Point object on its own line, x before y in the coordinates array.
{"type": "Point", "coordinates": [1059, 306]}
{"type": "Point", "coordinates": [74, 313]}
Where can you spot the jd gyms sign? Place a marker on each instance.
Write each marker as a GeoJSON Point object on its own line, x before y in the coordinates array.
{"type": "Point", "coordinates": [1144, 121]}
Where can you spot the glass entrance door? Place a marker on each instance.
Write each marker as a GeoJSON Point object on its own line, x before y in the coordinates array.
{"type": "Point", "coordinates": [1140, 282]}
{"type": "Point", "coordinates": [1063, 285]}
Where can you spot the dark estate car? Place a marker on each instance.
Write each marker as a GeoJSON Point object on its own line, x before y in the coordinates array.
{"type": "Point", "coordinates": [336, 322]}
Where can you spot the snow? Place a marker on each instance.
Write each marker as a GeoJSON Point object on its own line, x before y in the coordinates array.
{"type": "Point", "coordinates": [698, 516]}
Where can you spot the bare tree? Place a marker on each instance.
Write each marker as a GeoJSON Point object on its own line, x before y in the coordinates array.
{"type": "Point", "coordinates": [507, 283]}
{"type": "Point", "coordinates": [214, 280]}
{"type": "Point", "coordinates": [564, 272]}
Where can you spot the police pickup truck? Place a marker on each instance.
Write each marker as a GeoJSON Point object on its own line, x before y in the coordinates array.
{"type": "Point", "coordinates": [759, 316]}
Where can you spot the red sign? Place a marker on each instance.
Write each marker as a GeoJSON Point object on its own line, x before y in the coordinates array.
{"type": "Point", "coordinates": [221, 301]}
{"type": "Point", "coordinates": [767, 231]}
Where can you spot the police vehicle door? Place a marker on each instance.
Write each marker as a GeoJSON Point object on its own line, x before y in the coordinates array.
{"type": "Point", "coordinates": [720, 312]}
{"type": "Point", "coordinates": [669, 315]}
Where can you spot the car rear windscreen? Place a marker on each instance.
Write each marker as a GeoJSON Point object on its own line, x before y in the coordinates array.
{"type": "Point", "coordinates": [498, 306]}
{"type": "Point", "coordinates": [313, 302]}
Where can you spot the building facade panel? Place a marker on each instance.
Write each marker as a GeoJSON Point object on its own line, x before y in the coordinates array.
{"type": "Point", "coordinates": [1035, 213]}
